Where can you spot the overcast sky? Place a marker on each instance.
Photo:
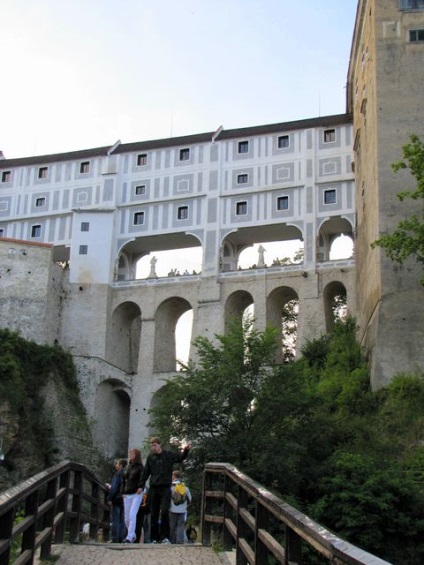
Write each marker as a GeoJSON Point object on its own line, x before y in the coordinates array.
{"type": "Point", "coordinates": [85, 73]}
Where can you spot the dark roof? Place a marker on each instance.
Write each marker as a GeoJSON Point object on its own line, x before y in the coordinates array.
{"type": "Point", "coordinates": [324, 121]}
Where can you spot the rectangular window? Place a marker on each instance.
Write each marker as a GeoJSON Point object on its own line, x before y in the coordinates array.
{"type": "Point", "coordinates": [85, 167]}
{"type": "Point", "coordinates": [141, 159]}
{"type": "Point", "coordinates": [139, 218]}
{"type": "Point", "coordinates": [241, 208]}
{"type": "Point", "coordinates": [416, 35]}
{"type": "Point", "coordinates": [42, 172]}
{"type": "Point", "coordinates": [83, 249]}
{"type": "Point", "coordinates": [329, 135]}
{"type": "Point", "coordinates": [243, 147]}
{"type": "Point", "coordinates": [329, 196]}
{"type": "Point", "coordinates": [283, 141]}
{"type": "Point", "coordinates": [243, 178]}
{"type": "Point", "coordinates": [140, 189]}
{"type": "Point", "coordinates": [184, 154]}
{"type": "Point", "coordinates": [36, 231]}
{"type": "Point", "coordinates": [411, 4]}
{"type": "Point", "coordinates": [85, 226]}
{"type": "Point", "coordinates": [40, 202]}
{"type": "Point", "coordinates": [182, 213]}
{"type": "Point", "coordinates": [283, 203]}
{"type": "Point", "coordinates": [6, 176]}
{"type": "Point", "coordinates": [1, 232]}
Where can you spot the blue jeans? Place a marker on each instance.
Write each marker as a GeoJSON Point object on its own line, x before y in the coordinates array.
{"type": "Point", "coordinates": [119, 529]}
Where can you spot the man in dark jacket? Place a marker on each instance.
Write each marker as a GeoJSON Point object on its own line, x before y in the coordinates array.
{"type": "Point", "coordinates": [159, 466]}
{"type": "Point", "coordinates": [119, 530]}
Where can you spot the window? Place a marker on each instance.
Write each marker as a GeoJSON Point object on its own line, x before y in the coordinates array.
{"type": "Point", "coordinates": [42, 172]}
{"type": "Point", "coordinates": [243, 147]}
{"type": "Point", "coordinates": [40, 202]}
{"type": "Point", "coordinates": [139, 218]}
{"type": "Point", "coordinates": [141, 159]}
{"type": "Point", "coordinates": [241, 208]}
{"type": "Point", "coordinates": [243, 178]}
{"type": "Point", "coordinates": [36, 231]}
{"type": "Point", "coordinates": [85, 167]}
{"type": "Point", "coordinates": [6, 176]}
{"type": "Point", "coordinates": [140, 189]}
{"type": "Point", "coordinates": [411, 4]}
{"type": "Point", "coordinates": [329, 135]}
{"type": "Point", "coordinates": [1, 232]}
{"type": "Point", "coordinates": [329, 196]}
{"type": "Point", "coordinates": [182, 213]}
{"type": "Point", "coordinates": [283, 203]}
{"type": "Point", "coordinates": [85, 226]}
{"type": "Point", "coordinates": [283, 141]}
{"type": "Point", "coordinates": [416, 35]}
{"type": "Point", "coordinates": [184, 154]}
{"type": "Point", "coordinates": [83, 249]}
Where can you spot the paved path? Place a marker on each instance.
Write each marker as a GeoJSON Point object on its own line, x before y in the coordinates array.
{"type": "Point", "coordinates": [143, 554]}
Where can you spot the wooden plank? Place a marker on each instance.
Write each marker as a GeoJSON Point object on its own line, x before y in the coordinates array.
{"type": "Point", "coordinates": [214, 519]}
{"type": "Point", "coordinates": [247, 550]}
{"type": "Point", "coordinates": [248, 518]}
{"type": "Point", "coordinates": [25, 557]}
{"type": "Point", "coordinates": [272, 544]}
{"type": "Point", "coordinates": [229, 524]}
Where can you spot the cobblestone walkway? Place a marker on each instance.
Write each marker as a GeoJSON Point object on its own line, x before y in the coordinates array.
{"type": "Point", "coordinates": [143, 554]}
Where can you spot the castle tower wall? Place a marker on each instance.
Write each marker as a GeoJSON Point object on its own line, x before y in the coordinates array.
{"type": "Point", "coordinates": [385, 81]}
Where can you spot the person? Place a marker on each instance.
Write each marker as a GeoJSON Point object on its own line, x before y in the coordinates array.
{"type": "Point", "coordinates": [178, 508]}
{"type": "Point", "coordinates": [143, 520]}
{"type": "Point", "coordinates": [114, 498]}
{"type": "Point", "coordinates": [132, 492]}
{"type": "Point", "coordinates": [159, 467]}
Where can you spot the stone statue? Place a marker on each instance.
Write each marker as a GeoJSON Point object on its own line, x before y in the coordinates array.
{"type": "Point", "coordinates": [261, 262]}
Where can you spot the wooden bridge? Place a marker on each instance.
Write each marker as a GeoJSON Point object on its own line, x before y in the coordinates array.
{"type": "Point", "coordinates": [50, 509]}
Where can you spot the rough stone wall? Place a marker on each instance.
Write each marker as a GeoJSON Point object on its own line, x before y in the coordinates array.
{"type": "Point", "coordinates": [385, 82]}
{"type": "Point", "coordinates": [30, 290]}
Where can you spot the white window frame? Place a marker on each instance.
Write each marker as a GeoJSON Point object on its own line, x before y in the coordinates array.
{"type": "Point", "coordinates": [329, 135]}
{"type": "Point", "coordinates": [85, 226]}
{"type": "Point", "coordinates": [141, 159]}
{"type": "Point", "coordinates": [182, 212]}
{"type": "Point", "coordinates": [84, 167]}
{"type": "Point", "coordinates": [43, 172]}
{"type": "Point", "coordinates": [241, 208]}
{"type": "Point", "coordinates": [283, 141]}
{"type": "Point", "coordinates": [281, 199]}
{"type": "Point", "coordinates": [138, 216]}
{"type": "Point", "coordinates": [83, 250]}
{"type": "Point", "coordinates": [327, 193]}
{"type": "Point", "coordinates": [242, 176]}
{"type": "Point", "coordinates": [36, 230]}
{"type": "Point", "coordinates": [6, 176]}
{"type": "Point", "coordinates": [185, 154]}
{"type": "Point", "coordinates": [40, 202]}
{"type": "Point", "coordinates": [140, 190]}
{"type": "Point", "coordinates": [243, 147]}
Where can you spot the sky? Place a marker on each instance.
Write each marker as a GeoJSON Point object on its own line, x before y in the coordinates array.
{"type": "Point", "coordinates": [80, 74]}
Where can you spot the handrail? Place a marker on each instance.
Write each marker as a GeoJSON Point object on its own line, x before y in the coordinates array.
{"type": "Point", "coordinates": [259, 524]}
{"type": "Point", "coordinates": [45, 507]}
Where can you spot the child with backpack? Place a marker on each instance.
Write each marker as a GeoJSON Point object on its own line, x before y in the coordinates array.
{"type": "Point", "coordinates": [180, 498]}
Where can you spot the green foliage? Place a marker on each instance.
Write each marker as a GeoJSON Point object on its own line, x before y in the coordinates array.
{"type": "Point", "coordinates": [407, 240]}
{"type": "Point", "coordinates": [312, 431]}
{"type": "Point", "coordinates": [25, 369]}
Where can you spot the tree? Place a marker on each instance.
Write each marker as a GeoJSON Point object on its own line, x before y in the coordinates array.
{"type": "Point", "coordinates": [407, 240]}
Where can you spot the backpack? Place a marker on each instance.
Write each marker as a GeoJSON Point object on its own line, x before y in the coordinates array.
{"type": "Point", "coordinates": [179, 494]}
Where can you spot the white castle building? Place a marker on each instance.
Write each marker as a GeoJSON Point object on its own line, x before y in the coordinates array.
{"type": "Point", "coordinates": [74, 225]}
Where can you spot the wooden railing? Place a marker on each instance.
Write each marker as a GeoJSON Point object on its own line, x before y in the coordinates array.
{"type": "Point", "coordinates": [259, 525]}
{"type": "Point", "coordinates": [48, 506]}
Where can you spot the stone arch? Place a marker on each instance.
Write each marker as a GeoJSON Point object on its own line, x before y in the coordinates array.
{"type": "Point", "coordinates": [123, 337]}
{"type": "Point", "coordinates": [330, 230]}
{"type": "Point", "coordinates": [331, 291]}
{"type": "Point", "coordinates": [275, 303]}
{"type": "Point", "coordinates": [234, 242]}
{"type": "Point", "coordinates": [112, 422]}
{"type": "Point", "coordinates": [166, 318]}
{"type": "Point", "coordinates": [236, 305]}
